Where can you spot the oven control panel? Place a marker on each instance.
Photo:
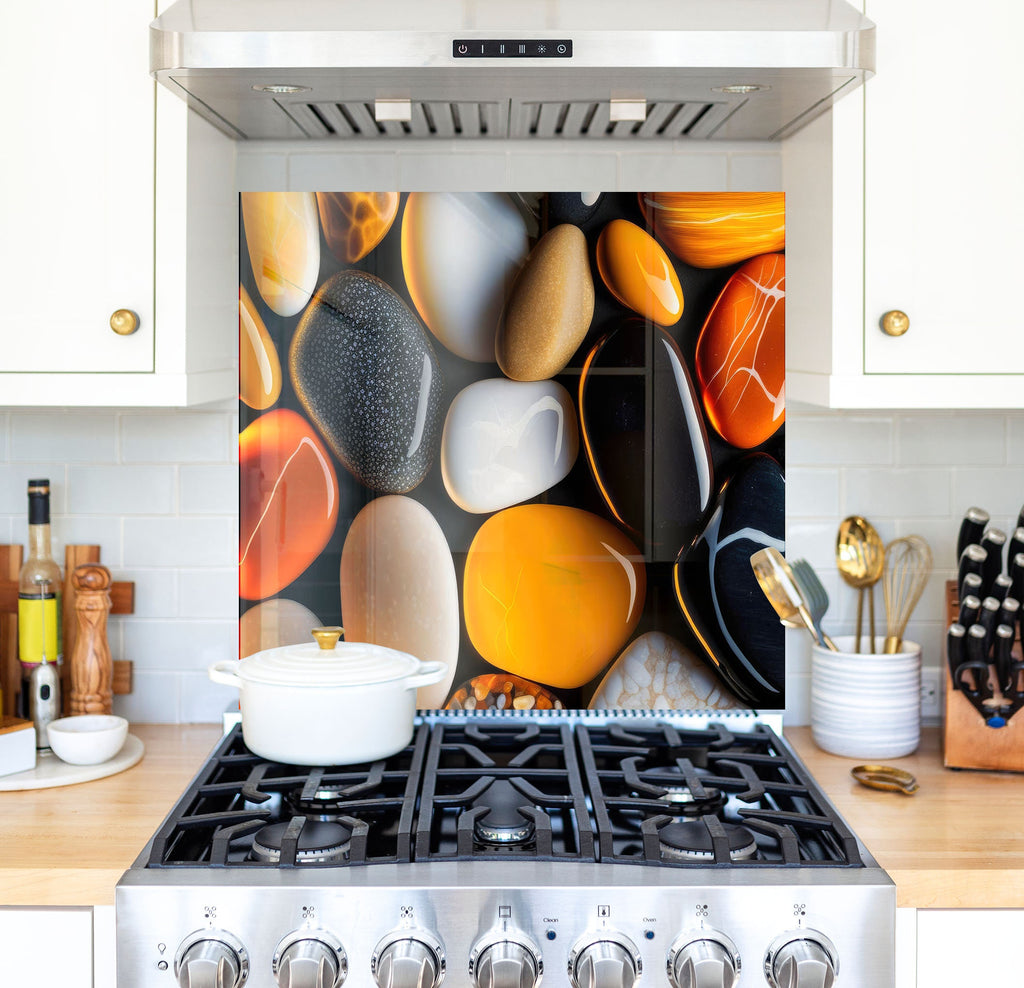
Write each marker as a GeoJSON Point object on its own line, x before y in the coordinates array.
{"type": "Point", "coordinates": [712, 936]}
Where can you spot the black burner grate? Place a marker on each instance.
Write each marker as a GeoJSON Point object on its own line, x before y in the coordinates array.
{"type": "Point", "coordinates": [521, 788]}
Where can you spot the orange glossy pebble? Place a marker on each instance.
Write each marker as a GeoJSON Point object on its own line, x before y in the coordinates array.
{"type": "Point", "coordinates": [713, 229]}
{"type": "Point", "coordinates": [259, 367]}
{"type": "Point", "coordinates": [551, 593]}
{"type": "Point", "coordinates": [289, 502]}
{"type": "Point", "coordinates": [355, 222]}
{"type": "Point", "coordinates": [637, 271]}
{"type": "Point", "coordinates": [741, 353]}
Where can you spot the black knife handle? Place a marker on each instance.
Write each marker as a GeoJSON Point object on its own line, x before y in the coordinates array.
{"type": "Point", "coordinates": [1004, 643]}
{"type": "Point", "coordinates": [993, 542]}
{"type": "Point", "coordinates": [988, 619]}
{"type": "Point", "coordinates": [1001, 586]}
{"type": "Point", "coordinates": [955, 651]}
{"type": "Point", "coordinates": [1016, 545]}
{"type": "Point", "coordinates": [970, 608]}
{"type": "Point", "coordinates": [1016, 570]}
{"type": "Point", "coordinates": [971, 587]}
{"type": "Point", "coordinates": [1020, 518]}
{"type": "Point", "coordinates": [977, 662]}
{"type": "Point", "coordinates": [971, 528]}
{"type": "Point", "coordinates": [1009, 612]}
{"type": "Point", "coordinates": [972, 560]}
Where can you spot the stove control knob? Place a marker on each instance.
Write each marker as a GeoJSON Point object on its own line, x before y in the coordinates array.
{"type": "Point", "coordinates": [410, 959]}
{"type": "Point", "coordinates": [211, 959]}
{"type": "Point", "coordinates": [310, 959]}
{"type": "Point", "coordinates": [608, 961]}
{"type": "Point", "coordinates": [705, 960]}
{"type": "Point", "coordinates": [801, 959]}
{"type": "Point", "coordinates": [506, 964]}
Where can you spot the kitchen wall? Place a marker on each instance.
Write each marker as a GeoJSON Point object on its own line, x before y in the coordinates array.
{"type": "Point", "coordinates": [158, 490]}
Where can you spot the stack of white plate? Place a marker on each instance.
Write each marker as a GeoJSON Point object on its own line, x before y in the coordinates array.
{"type": "Point", "coordinates": [863, 705]}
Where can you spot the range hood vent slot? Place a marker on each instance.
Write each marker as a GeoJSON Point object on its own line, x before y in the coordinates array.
{"type": "Point", "coordinates": [591, 119]}
{"type": "Point", "coordinates": [430, 119]}
{"type": "Point", "coordinates": [573, 119]}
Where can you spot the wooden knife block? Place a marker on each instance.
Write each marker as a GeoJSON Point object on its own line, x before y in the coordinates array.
{"type": "Point", "coordinates": [122, 597]}
{"type": "Point", "coordinates": [967, 741]}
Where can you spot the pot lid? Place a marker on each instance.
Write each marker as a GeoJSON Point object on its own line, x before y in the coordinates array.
{"type": "Point", "coordinates": [339, 664]}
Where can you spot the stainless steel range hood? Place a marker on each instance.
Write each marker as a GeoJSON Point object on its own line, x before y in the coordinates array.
{"type": "Point", "coordinates": [494, 69]}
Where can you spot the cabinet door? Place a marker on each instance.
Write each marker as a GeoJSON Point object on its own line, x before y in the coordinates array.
{"type": "Point", "coordinates": [76, 186]}
{"type": "Point", "coordinates": [968, 947]}
{"type": "Point", "coordinates": [43, 946]}
{"type": "Point", "coordinates": [944, 155]}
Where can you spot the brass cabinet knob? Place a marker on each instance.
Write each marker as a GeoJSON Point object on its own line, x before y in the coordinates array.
{"type": "Point", "coordinates": [124, 322]}
{"type": "Point", "coordinates": [895, 323]}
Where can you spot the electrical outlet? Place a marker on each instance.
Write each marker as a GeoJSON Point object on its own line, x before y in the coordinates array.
{"type": "Point", "coordinates": [931, 694]}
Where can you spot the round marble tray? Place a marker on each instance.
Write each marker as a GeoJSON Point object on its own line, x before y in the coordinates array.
{"type": "Point", "coordinates": [50, 771]}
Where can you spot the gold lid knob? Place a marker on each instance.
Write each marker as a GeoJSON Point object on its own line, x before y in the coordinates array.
{"type": "Point", "coordinates": [124, 322]}
{"type": "Point", "coordinates": [895, 323]}
{"type": "Point", "coordinates": [327, 638]}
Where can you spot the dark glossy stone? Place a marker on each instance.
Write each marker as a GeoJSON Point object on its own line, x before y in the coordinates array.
{"type": "Point", "coordinates": [365, 372]}
{"type": "Point", "coordinates": [573, 207]}
{"type": "Point", "coordinates": [718, 593]}
{"type": "Point", "coordinates": [644, 436]}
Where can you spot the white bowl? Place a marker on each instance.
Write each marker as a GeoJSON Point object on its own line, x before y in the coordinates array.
{"type": "Point", "coordinates": [88, 739]}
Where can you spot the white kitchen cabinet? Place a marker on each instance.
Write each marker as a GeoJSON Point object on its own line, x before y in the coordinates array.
{"type": "Point", "coordinates": [46, 946]}
{"type": "Point", "coordinates": [99, 216]}
{"type": "Point", "coordinates": [907, 197]}
{"type": "Point", "coordinates": [969, 947]}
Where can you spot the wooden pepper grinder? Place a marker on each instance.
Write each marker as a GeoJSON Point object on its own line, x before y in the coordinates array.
{"type": "Point", "coordinates": [92, 670]}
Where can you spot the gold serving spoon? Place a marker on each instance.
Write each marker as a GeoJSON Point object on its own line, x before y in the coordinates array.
{"type": "Point", "coordinates": [775, 579]}
{"type": "Point", "coordinates": [860, 559]}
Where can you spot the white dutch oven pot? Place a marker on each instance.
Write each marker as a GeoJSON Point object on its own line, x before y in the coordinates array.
{"type": "Point", "coordinates": [328, 702]}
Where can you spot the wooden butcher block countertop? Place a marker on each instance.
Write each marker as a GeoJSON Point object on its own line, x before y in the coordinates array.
{"type": "Point", "coordinates": [958, 843]}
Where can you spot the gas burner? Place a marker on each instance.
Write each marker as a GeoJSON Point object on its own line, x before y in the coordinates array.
{"type": "Point", "coordinates": [327, 803]}
{"type": "Point", "coordinates": [502, 823]}
{"type": "Point", "coordinates": [691, 841]}
{"type": "Point", "coordinates": [681, 801]}
{"type": "Point", "coordinates": [319, 843]}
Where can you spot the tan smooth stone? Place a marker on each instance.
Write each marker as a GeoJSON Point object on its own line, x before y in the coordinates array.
{"type": "Point", "coordinates": [398, 587]}
{"type": "Point", "coordinates": [656, 672]}
{"type": "Point", "coordinates": [549, 309]}
{"type": "Point", "coordinates": [275, 622]}
{"type": "Point", "coordinates": [259, 367]}
{"type": "Point", "coordinates": [282, 234]}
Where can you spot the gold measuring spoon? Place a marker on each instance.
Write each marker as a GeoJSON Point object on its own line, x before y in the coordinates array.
{"type": "Point", "coordinates": [860, 559]}
{"type": "Point", "coordinates": [885, 777]}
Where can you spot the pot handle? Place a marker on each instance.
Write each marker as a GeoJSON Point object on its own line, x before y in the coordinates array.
{"type": "Point", "coordinates": [224, 673]}
{"type": "Point", "coordinates": [429, 673]}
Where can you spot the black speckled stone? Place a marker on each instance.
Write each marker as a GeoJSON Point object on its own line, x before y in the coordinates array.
{"type": "Point", "coordinates": [369, 379]}
{"type": "Point", "coordinates": [569, 207]}
{"type": "Point", "coordinates": [636, 384]}
{"type": "Point", "coordinates": [718, 593]}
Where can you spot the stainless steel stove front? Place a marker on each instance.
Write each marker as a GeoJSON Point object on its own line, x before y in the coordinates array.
{"type": "Point", "coordinates": [482, 924]}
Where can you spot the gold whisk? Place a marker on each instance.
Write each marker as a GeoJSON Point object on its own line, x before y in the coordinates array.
{"type": "Point", "coordinates": [908, 564]}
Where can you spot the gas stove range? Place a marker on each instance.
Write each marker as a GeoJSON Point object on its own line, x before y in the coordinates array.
{"type": "Point", "coordinates": [496, 851]}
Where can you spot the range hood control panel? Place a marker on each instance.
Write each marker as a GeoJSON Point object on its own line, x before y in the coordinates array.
{"type": "Point", "coordinates": [512, 48]}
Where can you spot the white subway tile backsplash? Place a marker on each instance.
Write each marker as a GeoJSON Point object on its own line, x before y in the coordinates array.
{"type": "Point", "coordinates": [438, 171]}
{"type": "Point", "coordinates": [117, 489]}
{"type": "Point", "coordinates": [155, 698]}
{"type": "Point", "coordinates": [810, 539]}
{"type": "Point", "coordinates": [5, 421]}
{"type": "Point", "coordinates": [1015, 439]}
{"type": "Point", "coordinates": [897, 493]}
{"type": "Point", "coordinates": [999, 490]}
{"type": "Point", "coordinates": [75, 437]}
{"type": "Point", "coordinates": [259, 170]}
{"type": "Point", "coordinates": [174, 437]}
{"type": "Point", "coordinates": [812, 492]}
{"type": "Point", "coordinates": [14, 478]}
{"type": "Point", "coordinates": [575, 168]}
{"type": "Point", "coordinates": [203, 701]}
{"type": "Point", "coordinates": [179, 645]}
{"type": "Point", "coordinates": [180, 541]}
{"type": "Point", "coordinates": [940, 440]}
{"type": "Point", "coordinates": [816, 440]}
{"type": "Point", "coordinates": [209, 490]}
{"type": "Point", "coordinates": [156, 591]}
{"type": "Point", "coordinates": [210, 593]}
{"type": "Point", "coordinates": [101, 530]}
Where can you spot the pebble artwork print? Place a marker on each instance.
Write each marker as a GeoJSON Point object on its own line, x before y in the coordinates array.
{"type": "Point", "coordinates": [534, 436]}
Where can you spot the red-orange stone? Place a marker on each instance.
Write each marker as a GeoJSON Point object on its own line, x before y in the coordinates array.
{"type": "Point", "coordinates": [289, 502]}
{"type": "Point", "coordinates": [741, 353]}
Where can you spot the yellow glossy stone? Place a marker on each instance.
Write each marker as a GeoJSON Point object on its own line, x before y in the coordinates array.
{"type": "Point", "coordinates": [549, 309]}
{"type": "Point", "coordinates": [259, 367]}
{"type": "Point", "coordinates": [638, 272]}
{"type": "Point", "coordinates": [551, 593]}
{"type": "Point", "coordinates": [282, 234]}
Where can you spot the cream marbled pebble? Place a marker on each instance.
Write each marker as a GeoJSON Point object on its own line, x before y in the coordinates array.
{"type": "Point", "coordinates": [656, 672]}
{"type": "Point", "coordinates": [398, 587]}
{"type": "Point", "coordinates": [282, 233]}
{"type": "Point", "coordinates": [506, 442]}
